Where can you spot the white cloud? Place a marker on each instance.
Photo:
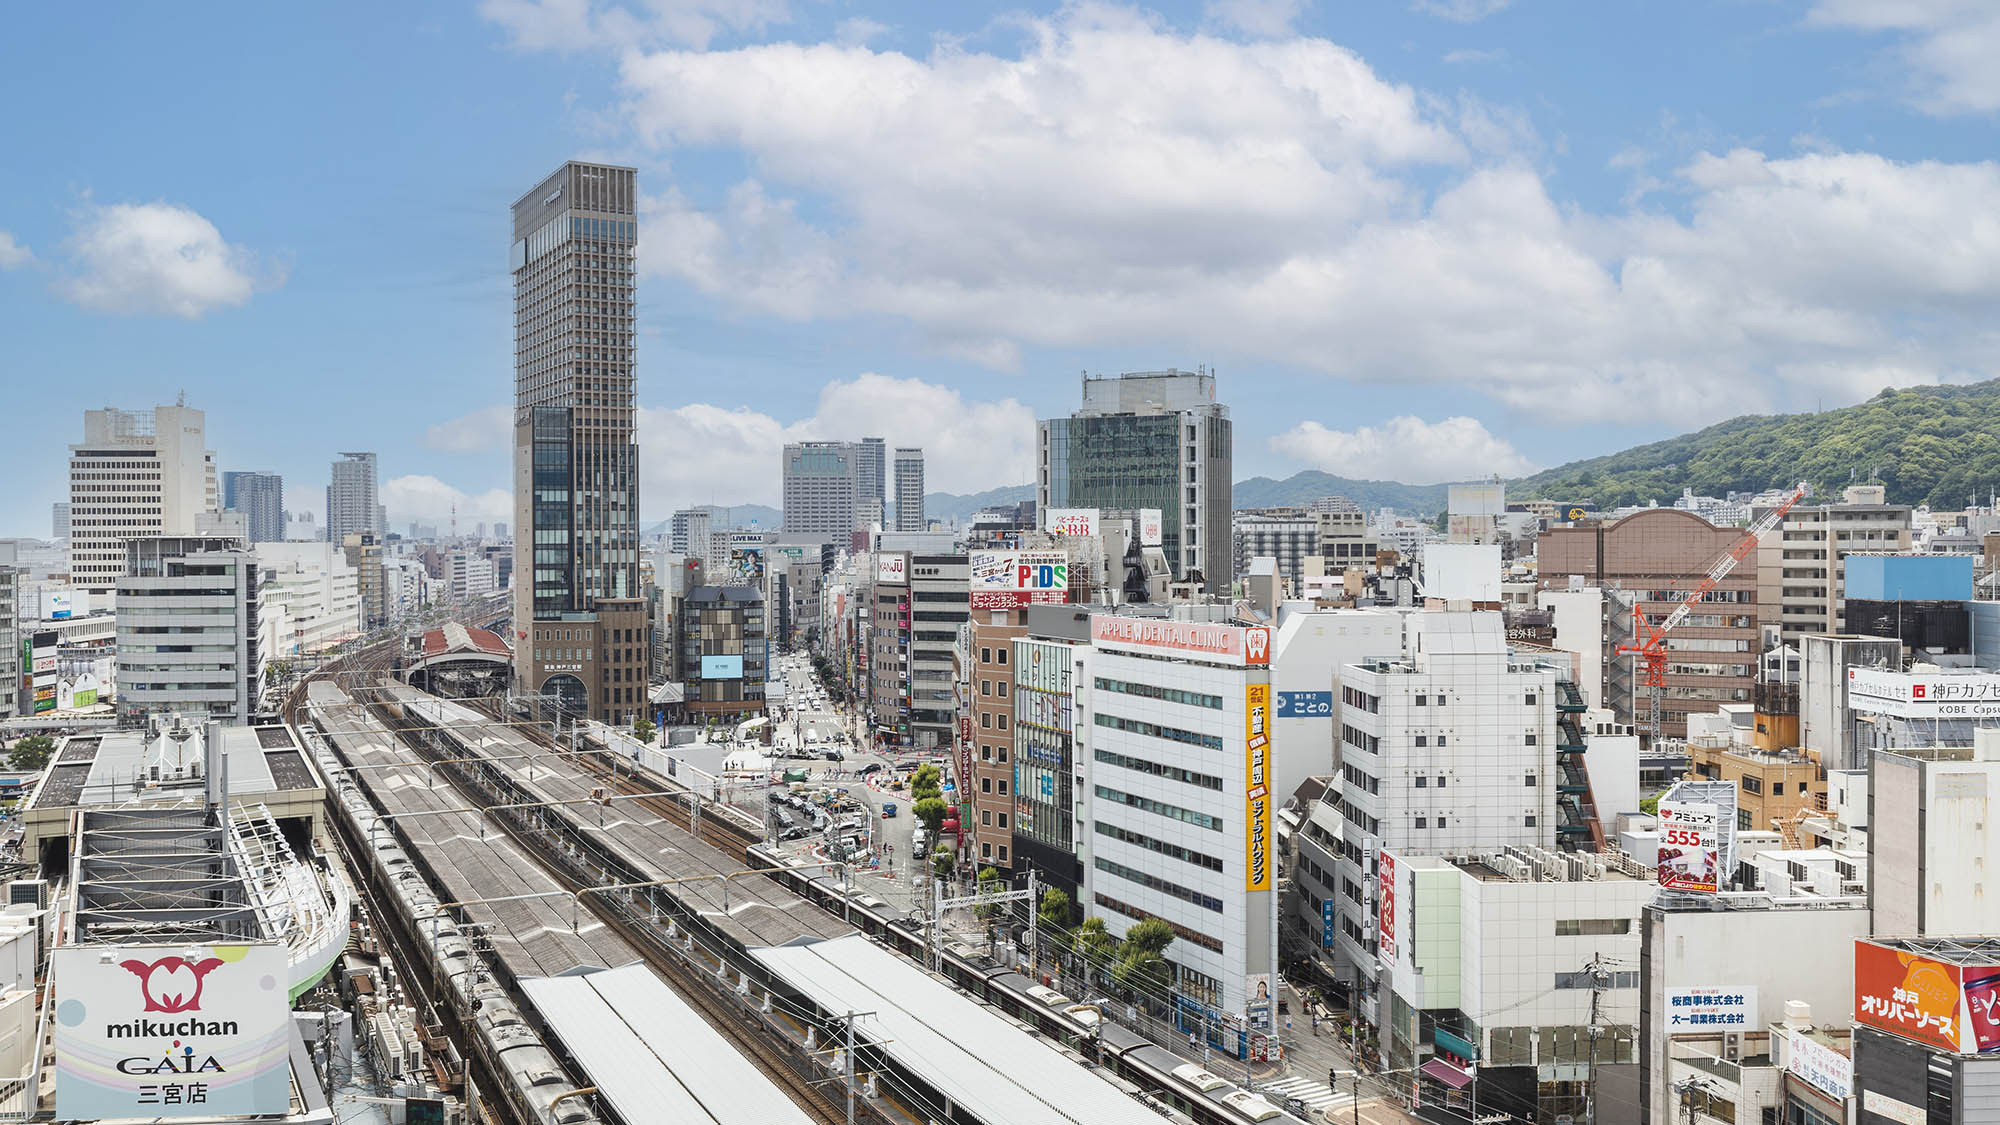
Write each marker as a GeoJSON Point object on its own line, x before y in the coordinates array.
{"type": "Point", "coordinates": [12, 253]}
{"type": "Point", "coordinates": [420, 497]}
{"type": "Point", "coordinates": [1279, 202]}
{"type": "Point", "coordinates": [579, 24]}
{"type": "Point", "coordinates": [1949, 46]}
{"type": "Point", "coordinates": [1404, 448]}
{"type": "Point", "coordinates": [700, 453]}
{"type": "Point", "coordinates": [969, 445]}
{"type": "Point", "coordinates": [1267, 18]}
{"type": "Point", "coordinates": [1460, 11]}
{"type": "Point", "coordinates": [158, 258]}
{"type": "Point", "coordinates": [1470, 55]}
{"type": "Point", "coordinates": [859, 31]}
{"type": "Point", "coordinates": [488, 428]}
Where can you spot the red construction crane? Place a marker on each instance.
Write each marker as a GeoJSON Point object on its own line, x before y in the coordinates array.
{"type": "Point", "coordinates": [1649, 641]}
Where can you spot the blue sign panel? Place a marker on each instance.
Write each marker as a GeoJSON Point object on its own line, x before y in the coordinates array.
{"type": "Point", "coordinates": [1304, 705]}
{"type": "Point", "coordinates": [1326, 924]}
{"type": "Point", "coordinates": [722, 667]}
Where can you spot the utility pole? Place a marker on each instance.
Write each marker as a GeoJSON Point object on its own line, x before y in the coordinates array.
{"type": "Point", "coordinates": [1598, 979]}
{"type": "Point", "coordinates": [850, 1066]}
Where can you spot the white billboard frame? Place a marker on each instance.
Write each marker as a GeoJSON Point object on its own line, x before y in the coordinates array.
{"type": "Point", "coordinates": [167, 1031]}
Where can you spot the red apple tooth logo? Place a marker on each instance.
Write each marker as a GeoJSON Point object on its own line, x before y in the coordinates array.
{"type": "Point", "coordinates": [171, 984]}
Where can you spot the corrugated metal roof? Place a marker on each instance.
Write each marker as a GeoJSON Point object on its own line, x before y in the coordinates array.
{"type": "Point", "coordinates": [978, 1058]}
{"type": "Point", "coordinates": [651, 1056]}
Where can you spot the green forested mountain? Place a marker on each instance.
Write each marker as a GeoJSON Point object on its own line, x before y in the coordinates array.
{"type": "Point", "coordinates": [1939, 445]}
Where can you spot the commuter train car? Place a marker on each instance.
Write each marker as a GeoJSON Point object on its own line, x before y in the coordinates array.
{"type": "Point", "coordinates": [536, 1087]}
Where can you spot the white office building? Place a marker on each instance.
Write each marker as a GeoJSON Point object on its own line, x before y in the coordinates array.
{"type": "Point", "coordinates": [136, 473]}
{"type": "Point", "coordinates": [309, 598]}
{"type": "Point", "coordinates": [1174, 737]}
{"type": "Point", "coordinates": [1448, 750]}
{"type": "Point", "coordinates": [188, 628]}
{"type": "Point", "coordinates": [470, 574]}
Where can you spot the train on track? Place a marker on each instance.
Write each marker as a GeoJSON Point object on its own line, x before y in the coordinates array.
{"type": "Point", "coordinates": [534, 1084]}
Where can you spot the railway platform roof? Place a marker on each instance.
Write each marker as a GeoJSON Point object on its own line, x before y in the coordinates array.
{"type": "Point", "coordinates": [983, 1062]}
{"type": "Point", "coordinates": [652, 1057]}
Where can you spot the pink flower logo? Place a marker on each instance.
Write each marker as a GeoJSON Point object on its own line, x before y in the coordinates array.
{"type": "Point", "coordinates": [171, 984]}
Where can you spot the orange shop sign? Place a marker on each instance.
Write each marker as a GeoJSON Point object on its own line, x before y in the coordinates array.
{"type": "Point", "coordinates": [1907, 994]}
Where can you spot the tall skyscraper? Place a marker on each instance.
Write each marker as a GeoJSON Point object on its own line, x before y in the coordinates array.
{"type": "Point", "coordinates": [822, 484]}
{"type": "Point", "coordinates": [872, 470]}
{"type": "Point", "coordinates": [1149, 439]}
{"type": "Point", "coordinates": [136, 474]}
{"type": "Point", "coordinates": [354, 499]}
{"type": "Point", "coordinates": [59, 519]}
{"type": "Point", "coordinates": [910, 489]}
{"type": "Point", "coordinates": [580, 617]}
{"type": "Point", "coordinates": [261, 499]}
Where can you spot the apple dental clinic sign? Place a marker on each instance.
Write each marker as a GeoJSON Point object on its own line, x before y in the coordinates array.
{"type": "Point", "coordinates": [166, 1031]}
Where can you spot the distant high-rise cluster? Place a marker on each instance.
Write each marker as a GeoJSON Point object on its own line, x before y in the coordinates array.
{"type": "Point", "coordinates": [354, 498]}
{"type": "Point", "coordinates": [910, 489]}
{"type": "Point", "coordinates": [261, 499]}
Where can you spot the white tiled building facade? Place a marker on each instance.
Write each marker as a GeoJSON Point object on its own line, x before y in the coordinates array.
{"type": "Point", "coordinates": [1171, 724]}
{"type": "Point", "coordinates": [1447, 751]}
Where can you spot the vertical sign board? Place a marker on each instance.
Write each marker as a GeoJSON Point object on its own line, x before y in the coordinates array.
{"type": "Point", "coordinates": [149, 1031]}
{"type": "Point", "coordinates": [1385, 912]}
{"type": "Point", "coordinates": [1688, 834]}
{"type": "Point", "coordinates": [1149, 527]}
{"type": "Point", "coordinates": [1257, 785]}
{"type": "Point", "coordinates": [1326, 924]}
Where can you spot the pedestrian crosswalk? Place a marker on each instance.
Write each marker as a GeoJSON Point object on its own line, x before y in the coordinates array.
{"type": "Point", "coordinates": [1317, 1096]}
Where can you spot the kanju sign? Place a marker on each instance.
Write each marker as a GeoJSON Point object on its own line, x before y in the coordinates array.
{"type": "Point", "coordinates": [171, 1031]}
{"type": "Point", "coordinates": [1233, 644]}
{"type": "Point", "coordinates": [1688, 835]}
{"type": "Point", "coordinates": [892, 570]}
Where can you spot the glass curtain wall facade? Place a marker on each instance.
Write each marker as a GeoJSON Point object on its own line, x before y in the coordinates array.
{"type": "Point", "coordinates": [576, 456]}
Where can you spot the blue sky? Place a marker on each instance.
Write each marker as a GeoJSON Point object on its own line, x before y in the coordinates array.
{"type": "Point", "coordinates": [1421, 239]}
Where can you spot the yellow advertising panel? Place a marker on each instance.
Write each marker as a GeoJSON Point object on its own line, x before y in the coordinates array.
{"type": "Point", "coordinates": [1257, 785]}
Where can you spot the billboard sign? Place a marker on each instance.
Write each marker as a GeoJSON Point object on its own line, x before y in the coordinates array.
{"type": "Point", "coordinates": [1257, 795]}
{"type": "Point", "coordinates": [1304, 705]}
{"type": "Point", "coordinates": [746, 565]}
{"type": "Point", "coordinates": [1044, 709]}
{"type": "Point", "coordinates": [168, 1031]}
{"type": "Point", "coordinates": [1704, 1010]}
{"type": "Point", "coordinates": [1234, 644]}
{"type": "Point", "coordinates": [1070, 521]}
{"type": "Point", "coordinates": [722, 667]}
{"type": "Point", "coordinates": [1257, 1000]}
{"type": "Point", "coordinates": [59, 605]}
{"type": "Point", "coordinates": [1012, 579]}
{"type": "Point", "coordinates": [1150, 524]}
{"type": "Point", "coordinates": [892, 570]}
{"type": "Point", "coordinates": [1912, 695]}
{"type": "Point", "coordinates": [1937, 1003]}
{"type": "Point", "coordinates": [1385, 908]}
{"type": "Point", "coordinates": [1822, 1067]}
{"type": "Point", "coordinates": [1688, 855]}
